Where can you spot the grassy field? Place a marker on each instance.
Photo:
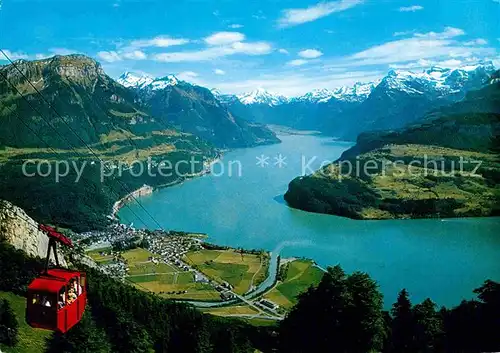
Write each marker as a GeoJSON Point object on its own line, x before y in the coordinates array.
{"type": "Point", "coordinates": [231, 310]}
{"type": "Point", "coordinates": [30, 340]}
{"type": "Point", "coordinates": [300, 275]}
{"type": "Point", "coordinates": [239, 270]}
{"type": "Point", "coordinates": [136, 255]}
{"type": "Point", "coordinates": [165, 280]}
{"type": "Point", "coordinates": [98, 258]}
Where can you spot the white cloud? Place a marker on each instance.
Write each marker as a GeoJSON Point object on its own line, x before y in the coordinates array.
{"type": "Point", "coordinates": [449, 32]}
{"type": "Point", "coordinates": [62, 51]}
{"type": "Point", "coordinates": [211, 53]}
{"type": "Point", "coordinates": [221, 38]}
{"type": "Point", "coordinates": [430, 45]}
{"type": "Point", "coordinates": [310, 53]}
{"type": "Point", "coordinates": [13, 55]}
{"type": "Point", "coordinates": [293, 17]}
{"type": "Point", "coordinates": [135, 55]}
{"type": "Point", "coordinates": [411, 8]}
{"type": "Point", "coordinates": [283, 51]}
{"type": "Point", "coordinates": [297, 62]}
{"type": "Point", "coordinates": [159, 42]}
{"type": "Point", "coordinates": [403, 33]}
{"type": "Point", "coordinates": [236, 26]}
{"type": "Point", "coordinates": [424, 64]}
{"type": "Point", "coordinates": [293, 84]}
{"type": "Point", "coordinates": [478, 41]}
{"type": "Point", "coordinates": [219, 72]}
{"type": "Point", "coordinates": [41, 56]}
{"type": "Point", "coordinates": [259, 16]}
{"type": "Point", "coordinates": [109, 56]}
{"type": "Point", "coordinates": [187, 75]}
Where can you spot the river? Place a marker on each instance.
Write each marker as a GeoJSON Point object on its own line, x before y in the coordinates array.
{"type": "Point", "coordinates": [241, 205]}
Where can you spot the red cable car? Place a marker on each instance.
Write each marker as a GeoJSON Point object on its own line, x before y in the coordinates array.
{"type": "Point", "coordinates": [57, 298]}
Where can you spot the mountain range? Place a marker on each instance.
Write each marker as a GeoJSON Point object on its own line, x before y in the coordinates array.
{"type": "Point", "coordinates": [196, 110]}
{"type": "Point", "coordinates": [446, 164]}
{"type": "Point", "coordinates": [397, 99]}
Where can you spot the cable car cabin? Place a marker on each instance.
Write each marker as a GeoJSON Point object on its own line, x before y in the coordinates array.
{"type": "Point", "coordinates": [56, 300]}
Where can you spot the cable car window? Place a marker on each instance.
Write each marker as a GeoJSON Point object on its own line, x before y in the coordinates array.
{"type": "Point", "coordinates": [71, 294]}
{"type": "Point", "coordinates": [61, 303]}
{"type": "Point", "coordinates": [82, 283]}
{"type": "Point", "coordinates": [36, 299]}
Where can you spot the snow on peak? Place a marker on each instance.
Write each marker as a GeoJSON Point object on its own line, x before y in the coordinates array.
{"type": "Point", "coordinates": [438, 80]}
{"type": "Point", "coordinates": [358, 92]}
{"type": "Point", "coordinates": [262, 96]}
{"type": "Point", "coordinates": [319, 95]}
{"type": "Point", "coordinates": [130, 79]}
{"type": "Point", "coordinates": [161, 83]}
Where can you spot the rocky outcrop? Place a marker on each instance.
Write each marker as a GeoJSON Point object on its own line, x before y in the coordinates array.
{"type": "Point", "coordinates": [21, 231]}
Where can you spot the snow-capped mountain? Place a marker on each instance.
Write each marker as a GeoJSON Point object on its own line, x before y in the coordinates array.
{"type": "Point", "coordinates": [319, 95]}
{"type": "Point", "coordinates": [437, 81]}
{"type": "Point", "coordinates": [161, 83]}
{"type": "Point", "coordinates": [262, 96]}
{"type": "Point", "coordinates": [224, 98]}
{"type": "Point", "coordinates": [356, 93]}
{"type": "Point", "coordinates": [130, 79]}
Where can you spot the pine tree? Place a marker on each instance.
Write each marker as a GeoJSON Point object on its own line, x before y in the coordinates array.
{"type": "Point", "coordinates": [343, 314]}
{"type": "Point", "coordinates": [85, 337]}
{"type": "Point", "coordinates": [428, 327]}
{"type": "Point", "coordinates": [365, 319]}
{"type": "Point", "coordinates": [403, 324]}
{"type": "Point", "coordinates": [9, 326]}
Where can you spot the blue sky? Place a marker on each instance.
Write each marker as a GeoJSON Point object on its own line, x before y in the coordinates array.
{"type": "Point", "coordinates": [286, 46]}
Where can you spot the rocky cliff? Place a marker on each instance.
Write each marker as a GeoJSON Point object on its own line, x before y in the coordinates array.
{"type": "Point", "coordinates": [21, 231]}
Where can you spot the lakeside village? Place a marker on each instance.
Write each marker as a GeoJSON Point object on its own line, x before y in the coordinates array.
{"type": "Point", "coordinates": [126, 253]}
{"type": "Point", "coordinates": [182, 266]}
{"type": "Point", "coordinates": [168, 246]}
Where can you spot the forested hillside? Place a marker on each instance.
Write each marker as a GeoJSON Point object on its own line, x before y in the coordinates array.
{"type": "Point", "coordinates": [65, 114]}
{"type": "Point", "coordinates": [344, 313]}
{"type": "Point", "coordinates": [446, 165]}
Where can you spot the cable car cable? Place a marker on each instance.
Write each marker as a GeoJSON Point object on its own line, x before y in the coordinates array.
{"type": "Point", "coordinates": [72, 130]}
{"type": "Point", "coordinates": [55, 152]}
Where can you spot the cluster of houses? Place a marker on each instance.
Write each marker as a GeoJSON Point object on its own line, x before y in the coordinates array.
{"type": "Point", "coordinates": [267, 304]}
{"type": "Point", "coordinates": [168, 245]}
{"type": "Point", "coordinates": [116, 233]}
{"type": "Point", "coordinates": [171, 247]}
{"type": "Point", "coordinates": [225, 290]}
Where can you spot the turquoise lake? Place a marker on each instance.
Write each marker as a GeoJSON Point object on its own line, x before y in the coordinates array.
{"type": "Point", "coordinates": [241, 205]}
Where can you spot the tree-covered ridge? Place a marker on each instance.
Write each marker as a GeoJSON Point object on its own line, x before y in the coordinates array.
{"type": "Point", "coordinates": [446, 165]}
{"type": "Point", "coordinates": [68, 101]}
{"type": "Point", "coordinates": [343, 313]}
{"type": "Point", "coordinates": [67, 109]}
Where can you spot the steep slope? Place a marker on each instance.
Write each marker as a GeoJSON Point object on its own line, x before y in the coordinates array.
{"type": "Point", "coordinates": [447, 165]}
{"type": "Point", "coordinates": [196, 110]}
{"type": "Point", "coordinates": [21, 231]}
{"type": "Point", "coordinates": [90, 102]}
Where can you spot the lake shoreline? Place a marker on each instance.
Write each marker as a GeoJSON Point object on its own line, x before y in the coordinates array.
{"type": "Point", "coordinates": [442, 259]}
{"type": "Point", "coordinates": [148, 190]}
